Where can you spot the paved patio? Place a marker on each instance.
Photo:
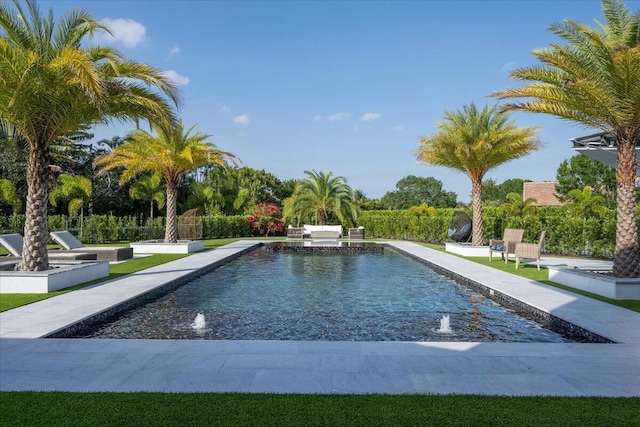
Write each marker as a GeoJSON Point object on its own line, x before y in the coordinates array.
{"type": "Point", "coordinates": [28, 362]}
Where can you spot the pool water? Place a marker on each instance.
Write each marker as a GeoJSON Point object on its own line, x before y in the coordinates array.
{"type": "Point", "coordinates": [275, 295]}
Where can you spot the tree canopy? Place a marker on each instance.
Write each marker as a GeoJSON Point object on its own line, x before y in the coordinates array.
{"type": "Point", "coordinates": [414, 191]}
{"type": "Point", "coordinates": [321, 197]}
{"type": "Point", "coordinates": [54, 84]}
{"type": "Point", "coordinates": [170, 153]}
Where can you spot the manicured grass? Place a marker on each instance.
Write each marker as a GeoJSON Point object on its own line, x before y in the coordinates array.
{"type": "Point", "coordinates": [237, 409]}
{"type": "Point", "coordinates": [531, 272]}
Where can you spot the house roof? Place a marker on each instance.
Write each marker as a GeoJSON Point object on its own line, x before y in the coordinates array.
{"type": "Point", "coordinates": [601, 147]}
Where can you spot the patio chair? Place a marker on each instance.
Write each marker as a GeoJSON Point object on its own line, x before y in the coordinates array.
{"type": "Point", "coordinates": [295, 232]}
{"type": "Point", "coordinates": [507, 244]}
{"type": "Point", "coordinates": [530, 250]}
{"type": "Point", "coordinates": [13, 243]}
{"type": "Point", "coordinates": [107, 253]}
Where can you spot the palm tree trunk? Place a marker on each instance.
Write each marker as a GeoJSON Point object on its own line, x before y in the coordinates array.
{"type": "Point", "coordinates": [171, 227]}
{"type": "Point", "coordinates": [476, 198]}
{"type": "Point", "coordinates": [626, 259]}
{"type": "Point", "coordinates": [36, 234]}
{"type": "Point", "coordinates": [322, 217]}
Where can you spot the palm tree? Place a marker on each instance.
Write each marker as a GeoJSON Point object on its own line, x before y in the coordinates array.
{"type": "Point", "coordinates": [474, 142]}
{"type": "Point", "coordinates": [594, 79]}
{"type": "Point", "coordinates": [585, 204]}
{"type": "Point", "coordinates": [171, 153]}
{"type": "Point", "coordinates": [320, 195]}
{"type": "Point", "coordinates": [54, 84]}
{"type": "Point", "coordinates": [75, 190]}
{"type": "Point", "coordinates": [149, 189]}
{"type": "Point", "coordinates": [517, 206]}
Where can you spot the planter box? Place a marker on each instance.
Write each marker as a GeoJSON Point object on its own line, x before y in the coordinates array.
{"type": "Point", "coordinates": [64, 275]}
{"type": "Point", "coordinates": [160, 247]}
{"type": "Point", "coordinates": [596, 283]}
{"type": "Point", "coordinates": [467, 249]}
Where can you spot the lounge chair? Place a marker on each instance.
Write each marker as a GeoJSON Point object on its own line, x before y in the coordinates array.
{"type": "Point", "coordinates": [108, 253]}
{"type": "Point", "coordinates": [530, 250]}
{"type": "Point", "coordinates": [13, 243]}
{"type": "Point", "coordinates": [507, 244]}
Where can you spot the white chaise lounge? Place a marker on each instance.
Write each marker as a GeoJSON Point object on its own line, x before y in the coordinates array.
{"type": "Point", "coordinates": [108, 253]}
{"type": "Point", "coordinates": [13, 243]}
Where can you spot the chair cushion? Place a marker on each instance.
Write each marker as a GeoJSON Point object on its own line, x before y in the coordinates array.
{"type": "Point", "coordinates": [66, 240]}
{"type": "Point", "coordinates": [12, 243]}
{"type": "Point", "coordinates": [498, 247]}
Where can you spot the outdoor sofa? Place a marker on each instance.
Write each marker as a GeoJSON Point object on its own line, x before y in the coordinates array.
{"type": "Point", "coordinates": [323, 231]}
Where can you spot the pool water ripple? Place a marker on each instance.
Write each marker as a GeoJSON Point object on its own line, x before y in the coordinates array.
{"type": "Point", "coordinates": [267, 295]}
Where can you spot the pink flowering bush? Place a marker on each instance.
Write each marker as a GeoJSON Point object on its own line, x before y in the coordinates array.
{"type": "Point", "coordinates": [266, 218]}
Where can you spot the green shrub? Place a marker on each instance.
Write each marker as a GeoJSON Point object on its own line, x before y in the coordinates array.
{"type": "Point", "coordinates": [566, 233]}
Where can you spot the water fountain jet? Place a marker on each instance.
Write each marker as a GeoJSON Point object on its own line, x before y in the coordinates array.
{"type": "Point", "coordinates": [445, 328]}
{"type": "Point", "coordinates": [199, 323]}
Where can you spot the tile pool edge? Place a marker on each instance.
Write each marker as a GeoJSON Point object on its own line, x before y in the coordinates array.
{"type": "Point", "coordinates": [544, 318]}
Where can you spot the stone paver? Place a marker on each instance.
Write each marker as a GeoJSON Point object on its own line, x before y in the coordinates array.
{"type": "Point", "coordinates": [28, 362]}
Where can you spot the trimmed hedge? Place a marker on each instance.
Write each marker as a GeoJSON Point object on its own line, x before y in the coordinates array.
{"type": "Point", "coordinates": [566, 233]}
{"type": "Point", "coordinates": [109, 228]}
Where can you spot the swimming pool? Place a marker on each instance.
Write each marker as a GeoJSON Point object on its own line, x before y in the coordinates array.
{"type": "Point", "coordinates": [336, 296]}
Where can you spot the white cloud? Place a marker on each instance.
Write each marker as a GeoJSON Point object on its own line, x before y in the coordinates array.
{"type": "Point", "coordinates": [399, 128]}
{"type": "Point", "coordinates": [176, 78]}
{"type": "Point", "coordinates": [332, 117]}
{"type": "Point", "coordinates": [367, 117]}
{"type": "Point", "coordinates": [224, 109]}
{"type": "Point", "coordinates": [241, 120]}
{"type": "Point", "coordinates": [126, 32]}
{"type": "Point", "coordinates": [173, 51]}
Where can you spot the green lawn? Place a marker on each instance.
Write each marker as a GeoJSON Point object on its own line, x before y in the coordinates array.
{"type": "Point", "coordinates": [238, 409]}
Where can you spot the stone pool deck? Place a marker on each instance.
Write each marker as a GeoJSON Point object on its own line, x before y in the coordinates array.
{"type": "Point", "coordinates": [28, 362]}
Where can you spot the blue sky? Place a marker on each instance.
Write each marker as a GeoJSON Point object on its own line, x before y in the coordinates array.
{"type": "Point", "coordinates": [342, 86]}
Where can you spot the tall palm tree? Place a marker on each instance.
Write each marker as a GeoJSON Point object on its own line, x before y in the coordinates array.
{"type": "Point", "coordinates": [171, 153]}
{"type": "Point", "coordinates": [149, 189]}
{"type": "Point", "coordinates": [594, 79]}
{"type": "Point", "coordinates": [320, 195]}
{"type": "Point", "coordinates": [474, 142]}
{"type": "Point", "coordinates": [53, 84]}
